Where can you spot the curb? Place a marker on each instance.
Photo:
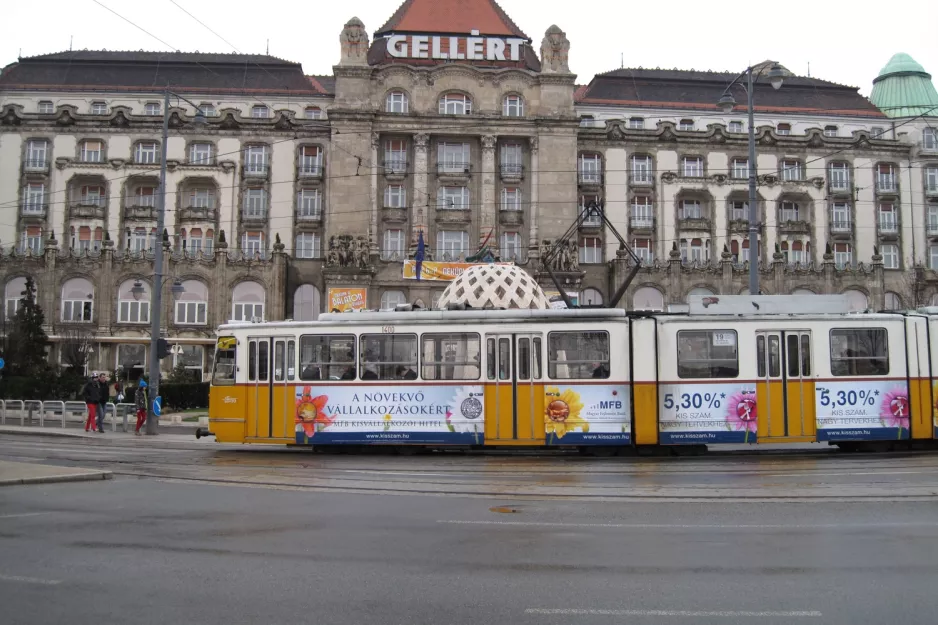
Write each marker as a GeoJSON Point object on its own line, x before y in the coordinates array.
{"type": "Point", "coordinates": [44, 432]}
{"type": "Point", "coordinates": [53, 479]}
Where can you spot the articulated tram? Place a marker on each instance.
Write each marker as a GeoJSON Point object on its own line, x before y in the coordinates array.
{"type": "Point", "coordinates": [584, 378]}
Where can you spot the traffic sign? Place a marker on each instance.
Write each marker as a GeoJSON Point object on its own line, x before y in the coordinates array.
{"type": "Point", "coordinates": [157, 406]}
{"type": "Point", "coordinates": [2, 363]}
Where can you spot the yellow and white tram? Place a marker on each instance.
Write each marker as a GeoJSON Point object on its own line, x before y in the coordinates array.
{"type": "Point", "coordinates": [587, 377]}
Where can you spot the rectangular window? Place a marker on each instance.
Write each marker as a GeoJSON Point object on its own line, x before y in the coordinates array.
{"type": "Point", "coordinates": [388, 357]}
{"type": "Point", "coordinates": [690, 209]}
{"type": "Point", "coordinates": [931, 179]}
{"type": "Point", "coordinates": [637, 123]}
{"type": "Point", "coordinates": [685, 124]}
{"type": "Point", "coordinates": [37, 154]}
{"type": "Point", "coordinates": [46, 108]}
{"type": "Point", "coordinates": [255, 203]}
{"type": "Point", "coordinates": [146, 153]}
{"type": "Point", "coordinates": [704, 354]}
{"type": "Point", "coordinates": [247, 312]}
{"type": "Point", "coordinates": [840, 217]}
{"type": "Point", "coordinates": [207, 110]}
{"type": "Point", "coordinates": [933, 257]}
{"type": "Point", "coordinates": [590, 168]}
{"type": "Point", "coordinates": [643, 212]}
{"type": "Point", "coordinates": [512, 159]}
{"type": "Point", "coordinates": [789, 211]}
{"type": "Point", "coordinates": [877, 132]}
{"type": "Point", "coordinates": [930, 139]}
{"type": "Point", "coordinates": [310, 160]}
{"type": "Point", "coordinates": [740, 168]}
{"type": "Point", "coordinates": [201, 154]}
{"type": "Point", "coordinates": [792, 171]}
{"type": "Point", "coordinates": [839, 176]}
{"type": "Point", "coordinates": [327, 357]}
{"type": "Point", "coordinates": [252, 243]}
{"type": "Point", "coordinates": [259, 111]}
{"type": "Point", "coordinates": [202, 198]}
{"type": "Point", "coordinates": [99, 108]}
{"type": "Point", "coordinates": [309, 204]}
{"type": "Point", "coordinates": [513, 107]}
{"type": "Point", "coordinates": [859, 351]}
{"type": "Point", "coordinates": [453, 198]}
{"type": "Point", "coordinates": [890, 256]}
{"type": "Point", "coordinates": [843, 255]}
{"type": "Point", "coordinates": [578, 355]}
{"type": "Point", "coordinates": [511, 199]}
{"type": "Point", "coordinates": [77, 310]}
{"type": "Point", "coordinates": [453, 158]}
{"type": "Point", "coordinates": [396, 102]}
{"type": "Point", "coordinates": [454, 356]}
{"type": "Point", "coordinates": [887, 218]}
{"type": "Point", "coordinates": [783, 130]}
{"type": "Point", "coordinates": [191, 313]}
{"type": "Point", "coordinates": [395, 196]}
{"type": "Point", "coordinates": [225, 361]}
{"type": "Point", "coordinates": [134, 312]}
{"type": "Point", "coordinates": [641, 169]}
{"type": "Point", "coordinates": [308, 245]}
{"type": "Point", "coordinates": [92, 151]}
{"type": "Point", "coordinates": [830, 131]}
{"type": "Point", "coordinates": [591, 250]}
{"type": "Point", "coordinates": [739, 211]}
{"type": "Point", "coordinates": [455, 104]}
{"type": "Point", "coordinates": [644, 251]}
{"type": "Point", "coordinates": [35, 201]}
{"type": "Point", "coordinates": [395, 156]}
{"type": "Point", "coordinates": [393, 247]}
{"type": "Point", "coordinates": [693, 167]}
{"type": "Point", "coordinates": [736, 126]}
{"type": "Point", "coordinates": [255, 159]}
{"type": "Point", "coordinates": [451, 245]}
{"type": "Point", "coordinates": [151, 108]}
{"type": "Point", "coordinates": [510, 247]}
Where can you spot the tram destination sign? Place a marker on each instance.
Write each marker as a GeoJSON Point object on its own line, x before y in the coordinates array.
{"type": "Point", "coordinates": [471, 48]}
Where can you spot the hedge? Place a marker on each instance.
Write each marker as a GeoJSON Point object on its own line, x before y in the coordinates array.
{"type": "Point", "coordinates": [54, 386]}
{"type": "Point", "coordinates": [183, 396]}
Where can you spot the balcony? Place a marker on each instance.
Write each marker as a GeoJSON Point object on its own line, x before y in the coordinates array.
{"type": "Point", "coordinates": [453, 216]}
{"type": "Point", "coordinates": [199, 213]}
{"type": "Point", "coordinates": [694, 223]}
{"type": "Point", "coordinates": [841, 228]}
{"type": "Point", "coordinates": [739, 225]}
{"type": "Point", "coordinates": [642, 222]}
{"type": "Point", "coordinates": [254, 215]}
{"type": "Point", "coordinates": [590, 179]}
{"type": "Point", "coordinates": [137, 211]}
{"type": "Point", "coordinates": [256, 170]}
{"type": "Point", "coordinates": [36, 165]}
{"type": "Point", "coordinates": [511, 172]}
{"type": "Point", "coordinates": [395, 169]}
{"type": "Point", "coordinates": [307, 215]}
{"type": "Point", "coordinates": [794, 226]}
{"type": "Point", "coordinates": [34, 210]}
{"type": "Point", "coordinates": [887, 185]}
{"type": "Point", "coordinates": [931, 190]}
{"type": "Point", "coordinates": [87, 208]}
{"type": "Point", "coordinates": [888, 230]}
{"type": "Point", "coordinates": [641, 179]}
{"type": "Point", "coordinates": [309, 170]}
{"type": "Point", "coordinates": [839, 186]}
{"type": "Point", "coordinates": [931, 226]}
{"type": "Point", "coordinates": [394, 215]}
{"type": "Point", "coordinates": [454, 171]}
{"type": "Point", "coordinates": [510, 217]}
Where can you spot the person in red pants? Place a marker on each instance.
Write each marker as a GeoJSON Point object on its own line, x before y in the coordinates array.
{"type": "Point", "coordinates": [140, 401]}
{"type": "Point", "coordinates": [91, 393]}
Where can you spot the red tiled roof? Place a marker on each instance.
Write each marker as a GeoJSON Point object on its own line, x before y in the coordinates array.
{"type": "Point", "coordinates": [451, 16]}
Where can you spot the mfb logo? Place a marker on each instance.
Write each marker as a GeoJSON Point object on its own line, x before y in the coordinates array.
{"type": "Point", "coordinates": [610, 405]}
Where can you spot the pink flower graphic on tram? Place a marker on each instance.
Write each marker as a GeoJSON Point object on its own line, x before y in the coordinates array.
{"type": "Point", "coordinates": [894, 409]}
{"type": "Point", "coordinates": [741, 413]}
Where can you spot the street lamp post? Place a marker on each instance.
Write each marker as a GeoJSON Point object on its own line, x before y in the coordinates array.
{"type": "Point", "coordinates": [727, 102]}
{"type": "Point", "coordinates": [156, 296]}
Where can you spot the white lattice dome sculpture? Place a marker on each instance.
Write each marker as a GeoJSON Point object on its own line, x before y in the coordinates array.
{"type": "Point", "coordinates": [495, 286]}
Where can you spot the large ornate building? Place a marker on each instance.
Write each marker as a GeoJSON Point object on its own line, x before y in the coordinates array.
{"type": "Point", "coordinates": [306, 193]}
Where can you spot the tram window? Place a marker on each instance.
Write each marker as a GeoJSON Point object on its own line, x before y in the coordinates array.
{"type": "Point", "coordinates": [252, 361]}
{"type": "Point", "coordinates": [805, 355]}
{"type": "Point", "coordinates": [859, 351]}
{"type": "Point", "coordinates": [793, 358]}
{"type": "Point", "coordinates": [291, 360]}
{"type": "Point", "coordinates": [775, 365]}
{"type": "Point", "coordinates": [279, 372]}
{"type": "Point", "coordinates": [703, 354]}
{"type": "Point", "coordinates": [537, 358]}
{"type": "Point", "coordinates": [490, 358]}
{"type": "Point", "coordinates": [453, 356]}
{"type": "Point", "coordinates": [578, 355]}
{"type": "Point", "coordinates": [263, 360]}
{"type": "Point", "coordinates": [524, 358]}
{"type": "Point", "coordinates": [225, 361]}
{"type": "Point", "coordinates": [388, 357]}
{"type": "Point", "coordinates": [327, 357]}
{"type": "Point", "coordinates": [760, 356]}
{"type": "Point", "coordinates": [504, 359]}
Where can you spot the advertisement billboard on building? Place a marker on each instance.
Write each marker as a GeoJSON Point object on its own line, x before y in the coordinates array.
{"type": "Point", "coordinates": [348, 300]}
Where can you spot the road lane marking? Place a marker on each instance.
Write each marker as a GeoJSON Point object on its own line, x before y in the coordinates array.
{"type": "Point", "coordinates": [665, 526]}
{"type": "Point", "coordinates": [16, 516]}
{"type": "Point", "coordinates": [691, 613]}
{"type": "Point", "coordinates": [29, 580]}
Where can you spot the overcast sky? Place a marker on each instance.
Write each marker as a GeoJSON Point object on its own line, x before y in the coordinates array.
{"type": "Point", "coordinates": [843, 42]}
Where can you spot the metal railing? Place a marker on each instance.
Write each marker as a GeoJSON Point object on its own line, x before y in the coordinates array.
{"type": "Point", "coordinates": [31, 412]}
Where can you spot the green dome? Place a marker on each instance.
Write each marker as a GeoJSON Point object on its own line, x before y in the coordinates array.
{"type": "Point", "coordinates": [904, 89]}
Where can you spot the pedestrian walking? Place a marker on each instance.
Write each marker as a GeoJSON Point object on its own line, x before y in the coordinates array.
{"type": "Point", "coordinates": [104, 394]}
{"type": "Point", "coordinates": [91, 394]}
{"type": "Point", "coordinates": [140, 401]}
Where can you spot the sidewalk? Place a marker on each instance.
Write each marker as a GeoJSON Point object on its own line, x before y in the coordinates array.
{"type": "Point", "coordinates": [13, 473]}
{"type": "Point", "coordinates": [183, 436]}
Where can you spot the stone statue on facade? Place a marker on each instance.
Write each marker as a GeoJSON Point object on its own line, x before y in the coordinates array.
{"type": "Point", "coordinates": [346, 251]}
{"type": "Point", "coordinates": [555, 48]}
{"type": "Point", "coordinates": [354, 41]}
{"type": "Point", "coordinates": [573, 257]}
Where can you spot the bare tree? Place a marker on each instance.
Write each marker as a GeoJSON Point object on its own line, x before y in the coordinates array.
{"type": "Point", "coordinates": [913, 289]}
{"type": "Point", "coordinates": [75, 345]}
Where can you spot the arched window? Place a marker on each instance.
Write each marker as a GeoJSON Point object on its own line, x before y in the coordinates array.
{"type": "Point", "coordinates": [307, 303]}
{"type": "Point", "coordinates": [857, 300]}
{"type": "Point", "coordinates": [591, 297]}
{"type": "Point", "coordinates": [192, 305]}
{"type": "Point", "coordinates": [390, 299]}
{"type": "Point", "coordinates": [396, 102]}
{"type": "Point", "coordinates": [893, 301]}
{"type": "Point", "coordinates": [247, 301]}
{"type": "Point", "coordinates": [133, 307]}
{"type": "Point", "coordinates": [13, 294]}
{"type": "Point", "coordinates": [648, 298]}
{"type": "Point", "coordinates": [513, 106]}
{"type": "Point", "coordinates": [312, 112]}
{"type": "Point", "coordinates": [455, 104]}
{"type": "Point", "coordinates": [77, 300]}
{"type": "Point", "coordinates": [700, 291]}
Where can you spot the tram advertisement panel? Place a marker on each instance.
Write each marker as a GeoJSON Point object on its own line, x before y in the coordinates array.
{"type": "Point", "coordinates": [389, 414]}
{"type": "Point", "coordinates": [707, 413]}
{"type": "Point", "coordinates": [934, 394]}
{"type": "Point", "coordinates": [862, 410]}
{"type": "Point", "coordinates": [588, 414]}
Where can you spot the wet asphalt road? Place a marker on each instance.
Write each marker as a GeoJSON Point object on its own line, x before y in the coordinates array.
{"type": "Point", "coordinates": [268, 545]}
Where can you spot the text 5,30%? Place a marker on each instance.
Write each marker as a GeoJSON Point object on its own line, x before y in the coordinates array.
{"type": "Point", "coordinates": [862, 397]}
{"type": "Point", "coordinates": [686, 401]}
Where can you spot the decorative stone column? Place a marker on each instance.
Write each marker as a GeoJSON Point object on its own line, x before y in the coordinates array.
{"type": "Point", "coordinates": [373, 239]}
{"type": "Point", "coordinates": [488, 216]}
{"type": "Point", "coordinates": [675, 268]}
{"type": "Point", "coordinates": [778, 270]}
{"type": "Point", "coordinates": [877, 284]}
{"type": "Point", "coordinates": [726, 267]}
{"type": "Point", "coordinates": [828, 268]}
{"type": "Point", "coordinates": [533, 212]}
{"type": "Point", "coordinates": [421, 203]}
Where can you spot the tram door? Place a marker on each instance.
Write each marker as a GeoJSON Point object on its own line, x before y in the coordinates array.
{"type": "Point", "coordinates": [514, 392]}
{"type": "Point", "coordinates": [283, 400]}
{"type": "Point", "coordinates": [785, 391]}
{"type": "Point", "coordinates": [258, 387]}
